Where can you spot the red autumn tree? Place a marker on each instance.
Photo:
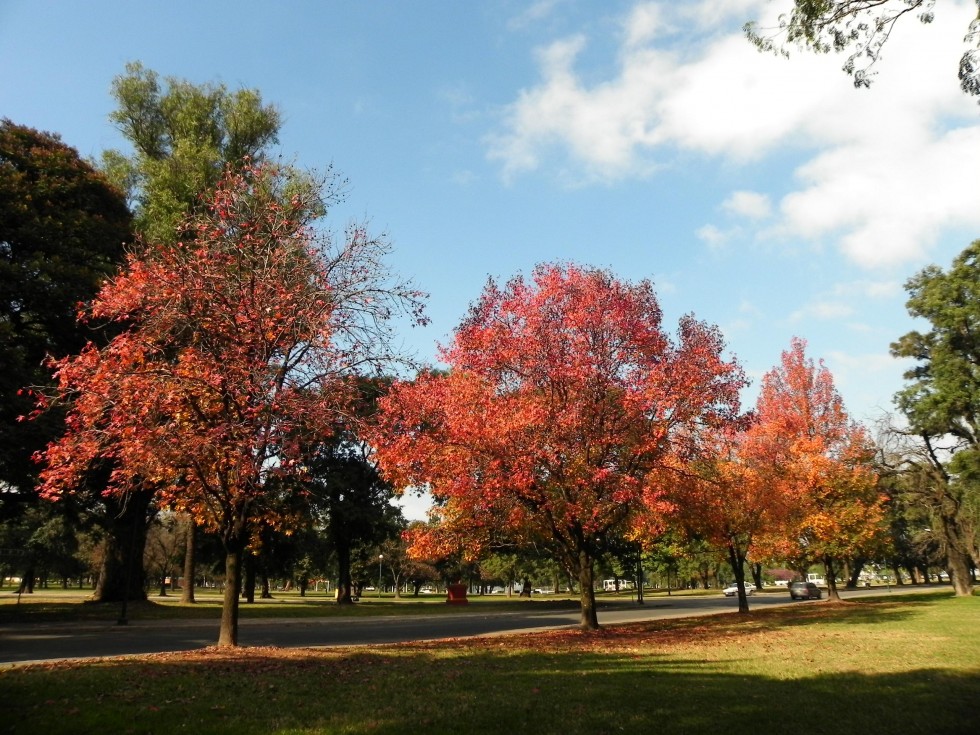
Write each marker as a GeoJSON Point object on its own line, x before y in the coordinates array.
{"type": "Point", "coordinates": [563, 395]}
{"type": "Point", "coordinates": [805, 443]}
{"type": "Point", "coordinates": [236, 347]}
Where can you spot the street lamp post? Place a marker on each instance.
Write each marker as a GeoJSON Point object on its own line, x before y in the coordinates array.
{"type": "Point", "coordinates": [380, 559]}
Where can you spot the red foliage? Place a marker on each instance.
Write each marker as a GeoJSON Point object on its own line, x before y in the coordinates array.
{"type": "Point", "coordinates": [563, 395]}
{"type": "Point", "coordinates": [234, 347]}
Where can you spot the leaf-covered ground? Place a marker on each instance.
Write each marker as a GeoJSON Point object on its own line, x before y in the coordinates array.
{"type": "Point", "coordinates": [871, 667]}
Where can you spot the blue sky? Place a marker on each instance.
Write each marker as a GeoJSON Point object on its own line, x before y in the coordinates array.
{"type": "Point", "coordinates": [764, 195]}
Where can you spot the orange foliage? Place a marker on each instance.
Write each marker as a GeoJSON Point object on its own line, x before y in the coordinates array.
{"type": "Point", "coordinates": [806, 446]}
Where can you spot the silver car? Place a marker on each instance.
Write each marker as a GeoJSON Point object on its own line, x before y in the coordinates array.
{"type": "Point", "coordinates": [804, 591]}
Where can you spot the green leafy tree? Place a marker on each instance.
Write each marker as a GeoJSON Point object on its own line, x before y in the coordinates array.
{"type": "Point", "coordinates": [859, 28]}
{"type": "Point", "coordinates": [348, 496]}
{"type": "Point", "coordinates": [183, 136]}
{"type": "Point", "coordinates": [941, 403]}
{"type": "Point", "coordinates": [63, 229]}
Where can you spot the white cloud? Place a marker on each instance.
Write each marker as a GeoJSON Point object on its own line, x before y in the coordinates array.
{"type": "Point", "coordinates": [749, 204]}
{"type": "Point", "coordinates": [713, 237]}
{"type": "Point", "coordinates": [886, 170]}
{"type": "Point", "coordinates": [644, 24]}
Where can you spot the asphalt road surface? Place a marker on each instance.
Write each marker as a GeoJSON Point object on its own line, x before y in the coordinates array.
{"type": "Point", "coordinates": [31, 642]}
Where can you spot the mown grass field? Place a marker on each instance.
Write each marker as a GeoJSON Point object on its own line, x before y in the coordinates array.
{"type": "Point", "coordinates": [898, 665]}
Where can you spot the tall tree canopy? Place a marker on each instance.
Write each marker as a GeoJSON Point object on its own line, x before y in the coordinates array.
{"type": "Point", "coordinates": [239, 345]}
{"type": "Point", "coordinates": [63, 229]}
{"type": "Point", "coordinates": [942, 400]}
{"type": "Point", "coordinates": [822, 459]}
{"type": "Point", "coordinates": [861, 29]}
{"type": "Point", "coordinates": [183, 136]}
{"type": "Point", "coordinates": [563, 395]}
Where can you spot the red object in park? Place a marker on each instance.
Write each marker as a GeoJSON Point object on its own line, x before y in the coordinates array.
{"type": "Point", "coordinates": [456, 594]}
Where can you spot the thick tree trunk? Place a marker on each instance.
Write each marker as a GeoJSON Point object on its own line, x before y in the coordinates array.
{"type": "Point", "coordinates": [525, 588]}
{"type": "Point", "coordinates": [958, 555]}
{"type": "Point", "coordinates": [228, 632]}
{"type": "Point", "coordinates": [586, 580]}
{"type": "Point", "coordinates": [854, 575]}
{"type": "Point", "coordinates": [121, 574]}
{"type": "Point", "coordinates": [959, 572]}
{"type": "Point", "coordinates": [190, 565]}
{"type": "Point", "coordinates": [345, 592]}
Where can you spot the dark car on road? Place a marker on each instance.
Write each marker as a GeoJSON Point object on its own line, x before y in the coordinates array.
{"type": "Point", "coordinates": [804, 591]}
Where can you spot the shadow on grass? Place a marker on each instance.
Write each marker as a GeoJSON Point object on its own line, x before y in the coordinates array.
{"type": "Point", "coordinates": [427, 689]}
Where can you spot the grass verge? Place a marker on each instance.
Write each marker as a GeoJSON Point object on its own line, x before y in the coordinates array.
{"type": "Point", "coordinates": [909, 665]}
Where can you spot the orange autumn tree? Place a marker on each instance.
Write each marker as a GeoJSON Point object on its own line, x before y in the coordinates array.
{"type": "Point", "coordinates": [236, 348]}
{"type": "Point", "coordinates": [805, 443]}
{"type": "Point", "coordinates": [563, 395]}
{"type": "Point", "coordinates": [726, 498]}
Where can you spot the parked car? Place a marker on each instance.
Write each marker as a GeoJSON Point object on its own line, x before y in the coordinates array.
{"type": "Point", "coordinates": [804, 591]}
{"type": "Point", "coordinates": [732, 590]}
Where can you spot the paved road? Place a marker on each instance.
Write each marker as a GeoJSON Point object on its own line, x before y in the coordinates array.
{"type": "Point", "coordinates": [24, 642]}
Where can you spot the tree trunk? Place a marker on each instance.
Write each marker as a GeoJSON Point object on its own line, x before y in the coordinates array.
{"type": "Point", "coordinates": [757, 575]}
{"type": "Point", "coordinates": [190, 564]}
{"type": "Point", "coordinates": [832, 594]}
{"type": "Point", "coordinates": [959, 572]}
{"type": "Point", "coordinates": [958, 555]}
{"type": "Point", "coordinates": [248, 578]}
{"type": "Point", "coordinates": [345, 590]}
{"type": "Point", "coordinates": [26, 586]}
{"type": "Point", "coordinates": [121, 573]}
{"type": "Point", "coordinates": [586, 580]}
{"type": "Point", "coordinates": [228, 633]}
{"type": "Point", "coordinates": [737, 560]}
{"type": "Point", "coordinates": [639, 578]}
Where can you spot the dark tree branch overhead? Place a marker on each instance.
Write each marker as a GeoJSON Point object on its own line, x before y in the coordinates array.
{"type": "Point", "coordinates": [860, 28]}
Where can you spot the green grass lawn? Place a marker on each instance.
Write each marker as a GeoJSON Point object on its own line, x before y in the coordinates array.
{"type": "Point", "coordinates": [900, 665]}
